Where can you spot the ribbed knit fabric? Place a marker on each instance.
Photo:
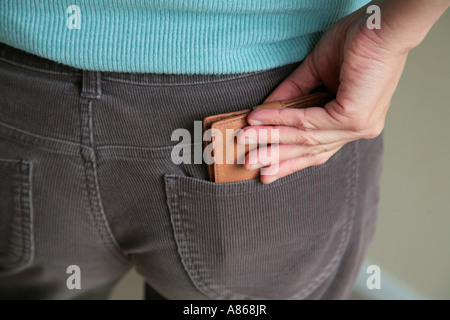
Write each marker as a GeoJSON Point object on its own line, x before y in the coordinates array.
{"type": "Point", "coordinates": [171, 36]}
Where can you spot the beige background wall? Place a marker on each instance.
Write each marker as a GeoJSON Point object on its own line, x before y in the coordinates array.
{"type": "Point", "coordinates": [412, 241]}
{"type": "Point", "coordinates": [413, 236]}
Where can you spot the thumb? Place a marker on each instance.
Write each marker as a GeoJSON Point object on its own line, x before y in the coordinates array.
{"type": "Point", "coordinates": [298, 83]}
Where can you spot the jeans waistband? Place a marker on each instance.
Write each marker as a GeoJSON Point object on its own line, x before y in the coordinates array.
{"type": "Point", "coordinates": [30, 61]}
{"type": "Point", "coordinates": [56, 102]}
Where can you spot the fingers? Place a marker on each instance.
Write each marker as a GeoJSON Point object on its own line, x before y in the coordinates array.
{"type": "Point", "coordinates": [287, 167]}
{"type": "Point", "coordinates": [290, 135]}
{"type": "Point", "coordinates": [362, 121]}
{"type": "Point", "coordinates": [305, 119]}
{"type": "Point", "coordinates": [298, 83]}
{"type": "Point", "coordinates": [273, 154]}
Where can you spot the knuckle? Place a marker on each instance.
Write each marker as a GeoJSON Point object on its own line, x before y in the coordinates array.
{"type": "Point", "coordinates": [315, 152]}
{"type": "Point", "coordinates": [305, 140]}
{"type": "Point", "coordinates": [302, 138]}
{"type": "Point", "coordinates": [293, 84]}
{"type": "Point", "coordinates": [299, 138]}
{"type": "Point", "coordinates": [278, 116]}
{"type": "Point", "coordinates": [300, 120]}
{"type": "Point", "coordinates": [375, 131]}
{"type": "Point", "coordinates": [309, 140]}
{"type": "Point", "coordinates": [341, 107]}
{"type": "Point", "coordinates": [358, 125]}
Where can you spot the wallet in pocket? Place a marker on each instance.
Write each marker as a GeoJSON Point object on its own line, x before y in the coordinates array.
{"type": "Point", "coordinates": [228, 167]}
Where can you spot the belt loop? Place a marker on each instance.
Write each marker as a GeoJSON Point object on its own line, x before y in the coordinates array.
{"type": "Point", "coordinates": [91, 84]}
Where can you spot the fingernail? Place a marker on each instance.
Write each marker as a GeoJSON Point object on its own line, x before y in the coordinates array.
{"type": "Point", "coordinates": [272, 179]}
{"type": "Point", "coordinates": [253, 167]}
{"type": "Point", "coordinates": [255, 122]}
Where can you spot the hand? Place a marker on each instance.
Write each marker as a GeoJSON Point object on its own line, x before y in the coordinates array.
{"type": "Point", "coordinates": [356, 64]}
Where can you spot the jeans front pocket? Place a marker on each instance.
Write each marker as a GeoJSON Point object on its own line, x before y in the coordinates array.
{"type": "Point", "coordinates": [247, 240]}
{"type": "Point", "coordinates": [15, 215]}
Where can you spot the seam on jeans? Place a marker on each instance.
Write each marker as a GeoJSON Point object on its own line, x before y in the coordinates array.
{"type": "Point", "coordinates": [182, 84]}
{"type": "Point", "coordinates": [20, 212]}
{"type": "Point", "coordinates": [54, 144]}
{"type": "Point", "coordinates": [29, 181]}
{"type": "Point", "coordinates": [25, 197]}
{"type": "Point", "coordinates": [91, 87]}
{"type": "Point", "coordinates": [18, 183]}
{"type": "Point", "coordinates": [136, 148]}
{"type": "Point", "coordinates": [92, 186]}
{"type": "Point", "coordinates": [67, 145]}
{"type": "Point", "coordinates": [23, 204]}
{"type": "Point", "coordinates": [182, 246]}
{"type": "Point", "coordinates": [49, 72]}
{"type": "Point", "coordinates": [288, 179]}
{"type": "Point", "coordinates": [137, 152]}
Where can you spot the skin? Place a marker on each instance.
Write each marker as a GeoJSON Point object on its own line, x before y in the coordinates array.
{"type": "Point", "coordinates": [361, 66]}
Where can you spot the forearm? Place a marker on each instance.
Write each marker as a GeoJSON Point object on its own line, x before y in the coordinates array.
{"type": "Point", "coordinates": [405, 23]}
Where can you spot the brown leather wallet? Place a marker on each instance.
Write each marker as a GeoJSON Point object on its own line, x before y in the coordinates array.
{"type": "Point", "coordinates": [228, 167]}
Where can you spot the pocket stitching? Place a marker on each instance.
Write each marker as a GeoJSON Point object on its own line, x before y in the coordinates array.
{"type": "Point", "coordinates": [25, 206]}
{"type": "Point", "coordinates": [288, 179]}
{"type": "Point", "coordinates": [50, 144]}
{"type": "Point", "coordinates": [182, 244]}
{"type": "Point", "coordinates": [24, 210]}
{"type": "Point", "coordinates": [198, 280]}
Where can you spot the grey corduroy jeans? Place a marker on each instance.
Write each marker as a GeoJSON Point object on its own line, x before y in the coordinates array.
{"type": "Point", "coordinates": [86, 179]}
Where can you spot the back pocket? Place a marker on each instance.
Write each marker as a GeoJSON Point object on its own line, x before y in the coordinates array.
{"type": "Point", "coordinates": [247, 240]}
{"type": "Point", "coordinates": [15, 215]}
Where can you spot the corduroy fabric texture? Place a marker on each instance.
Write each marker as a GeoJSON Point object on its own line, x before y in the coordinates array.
{"type": "Point", "coordinates": [87, 180]}
{"type": "Point", "coordinates": [170, 36]}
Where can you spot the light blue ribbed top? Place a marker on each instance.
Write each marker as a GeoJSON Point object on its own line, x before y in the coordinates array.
{"type": "Point", "coordinates": [170, 36]}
